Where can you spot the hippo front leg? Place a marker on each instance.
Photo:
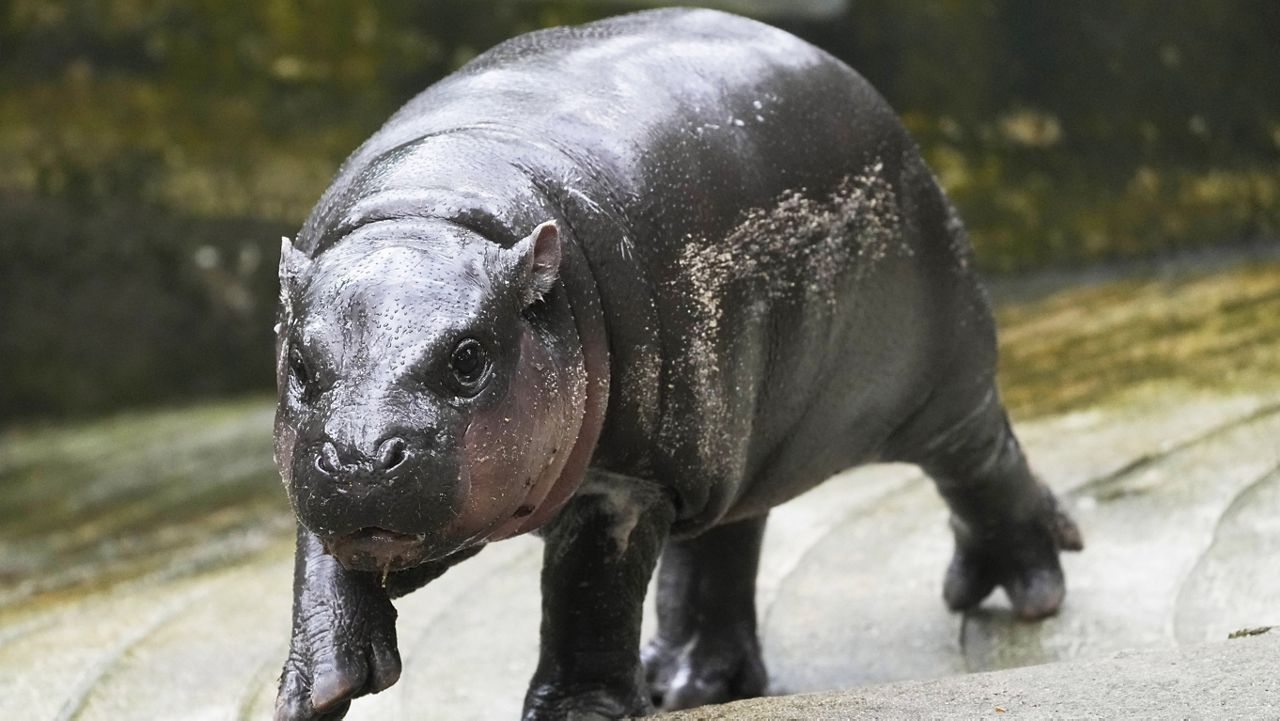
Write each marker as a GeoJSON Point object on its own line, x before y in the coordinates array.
{"type": "Point", "coordinates": [600, 552]}
{"type": "Point", "coordinates": [344, 637]}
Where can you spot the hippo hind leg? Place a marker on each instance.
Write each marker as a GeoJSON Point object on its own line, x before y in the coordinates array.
{"type": "Point", "coordinates": [1008, 525]}
{"type": "Point", "coordinates": [706, 649]}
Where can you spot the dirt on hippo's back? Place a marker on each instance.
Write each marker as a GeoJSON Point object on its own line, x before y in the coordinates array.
{"type": "Point", "coordinates": [804, 249]}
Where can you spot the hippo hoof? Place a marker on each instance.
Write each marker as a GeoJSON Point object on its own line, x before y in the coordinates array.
{"type": "Point", "coordinates": [710, 668]}
{"type": "Point", "coordinates": [293, 702]}
{"type": "Point", "coordinates": [1022, 559]}
{"type": "Point", "coordinates": [546, 703]}
{"type": "Point", "coordinates": [321, 687]}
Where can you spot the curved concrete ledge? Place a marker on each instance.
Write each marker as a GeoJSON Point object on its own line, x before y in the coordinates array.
{"type": "Point", "coordinates": [1239, 678]}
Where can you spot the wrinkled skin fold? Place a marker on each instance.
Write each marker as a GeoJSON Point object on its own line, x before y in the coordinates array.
{"type": "Point", "coordinates": [629, 286]}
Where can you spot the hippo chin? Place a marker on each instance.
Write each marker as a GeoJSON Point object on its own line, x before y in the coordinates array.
{"type": "Point", "coordinates": [629, 285]}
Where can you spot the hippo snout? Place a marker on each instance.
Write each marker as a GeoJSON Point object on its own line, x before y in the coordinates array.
{"type": "Point", "coordinates": [370, 496]}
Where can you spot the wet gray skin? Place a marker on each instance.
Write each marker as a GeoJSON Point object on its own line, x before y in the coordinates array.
{"type": "Point", "coordinates": [629, 285]}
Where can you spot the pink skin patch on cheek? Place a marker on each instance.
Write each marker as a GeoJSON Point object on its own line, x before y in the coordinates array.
{"type": "Point", "coordinates": [514, 452]}
{"type": "Point", "coordinates": [563, 460]}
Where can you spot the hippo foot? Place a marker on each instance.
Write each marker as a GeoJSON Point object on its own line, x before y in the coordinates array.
{"type": "Point", "coordinates": [554, 702]}
{"type": "Point", "coordinates": [324, 672]}
{"type": "Point", "coordinates": [709, 668]}
{"type": "Point", "coordinates": [1021, 558]}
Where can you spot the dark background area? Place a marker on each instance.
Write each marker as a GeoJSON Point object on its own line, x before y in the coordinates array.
{"type": "Point", "coordinates": [152, 152]}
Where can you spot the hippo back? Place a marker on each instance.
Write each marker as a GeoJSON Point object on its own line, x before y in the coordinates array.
{"type": "Point", "coordinates": [780, 279]}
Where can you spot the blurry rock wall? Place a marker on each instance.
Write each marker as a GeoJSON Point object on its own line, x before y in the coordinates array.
{"type": "Point", "coordinates": [153, 151]}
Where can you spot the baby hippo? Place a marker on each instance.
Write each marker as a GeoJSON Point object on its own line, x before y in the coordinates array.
{"type": "Point", "coordinates": [629, 285]}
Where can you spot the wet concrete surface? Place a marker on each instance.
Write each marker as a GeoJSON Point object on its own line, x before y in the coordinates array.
{"type": "Point", "coordinates": [145, 559]}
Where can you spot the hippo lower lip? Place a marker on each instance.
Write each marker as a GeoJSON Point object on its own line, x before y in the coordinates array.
{"type": "Point", "coordinates": [377, 549]}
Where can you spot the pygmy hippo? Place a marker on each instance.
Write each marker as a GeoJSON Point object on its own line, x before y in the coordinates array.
{"type": "Point", "coordinates": [629, 285]}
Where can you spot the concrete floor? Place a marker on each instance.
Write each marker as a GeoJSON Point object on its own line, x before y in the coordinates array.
{"type": "Point", "coordinates": [1227, 679]}
{"type": "Point", "coordinates": [145, 559]}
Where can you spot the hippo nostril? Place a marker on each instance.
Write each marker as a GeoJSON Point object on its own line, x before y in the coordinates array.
{"type": "Point", "coordinates": [391, 454]}
{"type": "Point", "coordinates": [328, 462]}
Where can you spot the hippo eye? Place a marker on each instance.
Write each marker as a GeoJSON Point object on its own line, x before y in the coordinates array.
{"type": "Point", "coordinates": [469, 364]}
{"type": "Point", "coordinates": [298, 368]}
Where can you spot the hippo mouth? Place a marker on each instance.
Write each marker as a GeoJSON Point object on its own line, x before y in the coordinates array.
{"type": "Point", "coordinates": [378, 550]}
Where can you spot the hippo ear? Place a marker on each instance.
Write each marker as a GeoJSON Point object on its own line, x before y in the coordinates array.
{"type": "Point", "coordinates": [292, 263]}
{"type": "Point", "coordinates": [537, 262]}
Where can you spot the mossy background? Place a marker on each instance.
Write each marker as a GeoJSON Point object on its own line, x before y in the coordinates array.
{"type": "Point", "coordinates": [152, 152]}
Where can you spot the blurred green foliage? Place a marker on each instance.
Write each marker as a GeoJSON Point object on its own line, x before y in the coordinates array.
{"type": "Point", "coordinates": [152, 151]}
{"type": "Point", "coordinates": [1072, 133]}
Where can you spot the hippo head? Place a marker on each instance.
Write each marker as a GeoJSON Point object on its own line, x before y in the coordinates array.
{"type": "Point", "coordinates": [428, 397]}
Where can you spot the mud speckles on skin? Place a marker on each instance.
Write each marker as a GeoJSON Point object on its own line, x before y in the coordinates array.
{"type": "Point", "coordinates": [853, 227]}
{"type": "Point", "coordinates": [622, 500]}
{"type": "Point", "coordinates": [960, 248]}
{"type": "Point", "coordinates": [803, 249]}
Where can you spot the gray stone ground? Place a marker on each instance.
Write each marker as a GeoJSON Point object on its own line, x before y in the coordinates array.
{"type": "Point", "coordinates": [1230, 679]}
{"type": "Point", "coordinates": [145, 559]}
